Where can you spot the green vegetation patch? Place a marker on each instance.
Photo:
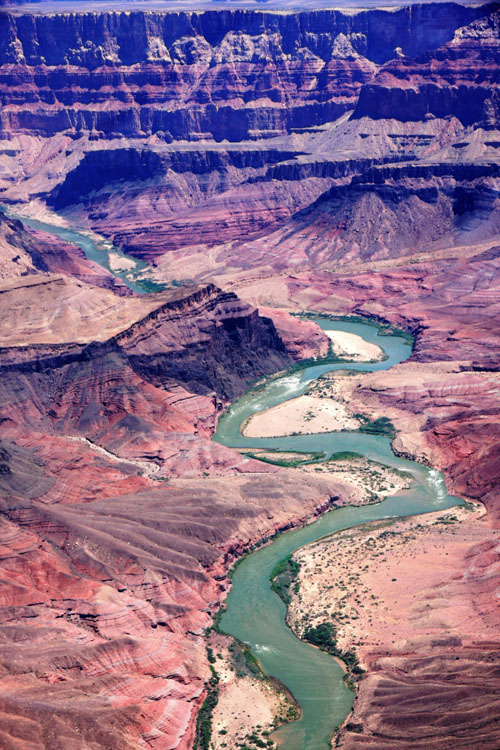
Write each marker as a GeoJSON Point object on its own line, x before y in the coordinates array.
{"type": "Point", "coordinates": [203, 733]}
{"type": "Point", "coordinates": [324, 636]}
{"type": "Point", "coordinates": [379, 426]}
{"type": "Point", "coordinates": [296, 458]}
{"type": "Point", "coordinates": [244, 662]}
{"type": "Point", "coordinates": [283, 575]}
{"type": "Point", "coordinates": [345, 456]}
{"type": "Point", "coordinates": [150, 286]}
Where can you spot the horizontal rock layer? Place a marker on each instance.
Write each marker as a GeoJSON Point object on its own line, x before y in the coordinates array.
{"type": "Point", "coordinates": [430, 689]}
{"type": "Point", "coordinates": [100, 621]}
{"type": "Point", "coordinates": [119, 514]}
{"type": "Point", "coordinates": [461, 79]}
{"type": "Point", "coordinates": [233, 74]}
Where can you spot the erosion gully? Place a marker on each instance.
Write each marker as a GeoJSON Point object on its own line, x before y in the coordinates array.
{"type": "Point", "coordinates": [254, 613]}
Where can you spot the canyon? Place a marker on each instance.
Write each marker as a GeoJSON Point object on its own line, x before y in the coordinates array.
{"type": "Point", "coordinates": [261, 163]}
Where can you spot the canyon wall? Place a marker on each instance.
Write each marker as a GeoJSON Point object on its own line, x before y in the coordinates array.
{"type": "Point", "coordinates": [213, 128]}
{"type": "Point", "coordinates": [106, 398]}
{"type": "Point", "coordinates": [343, 162]}
{"type": "Point", "coordinates": [213, 74]}
{"type": "Point", "coordinates": [432, 668]}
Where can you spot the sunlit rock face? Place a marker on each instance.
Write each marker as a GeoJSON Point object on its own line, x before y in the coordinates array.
{"type": "Point", "coordinates": [105, 398]}
{"type": "Point", "coordinates": [460, 79]}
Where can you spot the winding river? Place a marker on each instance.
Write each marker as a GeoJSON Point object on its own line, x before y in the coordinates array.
{"type": "Point", "coordinates": [255, 614]}
{"type": "Point", "coordinates": [95, 251]}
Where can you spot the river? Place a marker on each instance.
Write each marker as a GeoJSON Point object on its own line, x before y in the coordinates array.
{"type": "Point", "coordinates": [254, 613]}
{"type": "Point", "coordinates": [94, 250]}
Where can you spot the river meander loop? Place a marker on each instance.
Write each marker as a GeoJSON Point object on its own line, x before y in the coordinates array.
{"type": "Point", "coordinates": [254, 613]}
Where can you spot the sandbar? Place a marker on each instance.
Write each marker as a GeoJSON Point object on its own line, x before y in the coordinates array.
{"type": "Point", "coordinates": [354, 347]}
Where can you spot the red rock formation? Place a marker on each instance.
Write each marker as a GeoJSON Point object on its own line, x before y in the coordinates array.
{"type": "Point", "coordinates": [27, 253]}
{"type": "Point", "coordinates": [199, 77]}
{"type": "Point", "coordinates": [201, 73]}
{"type": "Point", "coordinates": [459, 79]}
{"type": "Point", "coordinates": [119, 516]}
{"type": "Point", "coordinates": [432, 692]}
{"type": "Point", "coordinates": [107, 565]}
{"type": "Point", "coordinates": [302, 338]}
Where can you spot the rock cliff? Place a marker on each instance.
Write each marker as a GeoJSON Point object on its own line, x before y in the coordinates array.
{"type": "Point", "coordinates": [330, 160]}
{"type": "Point", "coordinates": [440, 673]}
{"type": "Point", "coordinates": [104, 399]}
{"type": "Point", "coordinates": [229, 74]}
{"type": "Point", "coordinates": [460, 79]}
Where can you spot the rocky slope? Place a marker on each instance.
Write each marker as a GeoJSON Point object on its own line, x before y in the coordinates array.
{"type": "Point", "coordinates": [460, 79]}
{"type": "Point", "coordinates": [28, 253]}
{"type": "Point", "coordinates": [132, 139]}
{"type": "Point", "coordinates": [218, 74]}
{"type": "Point", "coordinates": [109, 569]}
{"type": "Point", "coordinates": [444, 404]}
{"type": "Point", "coordinates": [335, 161]}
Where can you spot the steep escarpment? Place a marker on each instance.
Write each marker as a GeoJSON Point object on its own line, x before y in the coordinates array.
{"type": "Point", "coordinates": [27, 253]}
{"type": "Point", "coordinates": [460, 79]}
{"type": "Point", "coordinates": [433, 663]}
{"type": "Point", "coordinates": [132, 37]}
{"type": "Point", "coordinates": [388, 211]}
{"type": "Point", "coordinates": [214, 129]}
{"type": "Point", "coordinates": [140, 384]}
{"type": "Point", "coordinates": [106, 564]}
{"type": "Point", "coordinates": [197, 335]}
{"type": "Point", "coordinates": [334, 161]}
{"type": "Point", "coordinates": [101, 168]}
{"type": "Point", "coordinates": [151, 201]}
{"type": "Point", "coordinates": [218, 74]}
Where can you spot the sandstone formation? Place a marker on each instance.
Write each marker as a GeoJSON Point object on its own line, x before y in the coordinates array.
{"type": "Point", "coordinates": [234, 74]}
{"type": "Point", "coordinates": [216, 127]}
{"type": "Point", "coordinates": [111, 568]}
{"type": "Point", "coordinates": [444, 403]}
{"type": "Point", "coordinates": [28, 253]}
{"type": "Point", "coordinates": [265, 162]}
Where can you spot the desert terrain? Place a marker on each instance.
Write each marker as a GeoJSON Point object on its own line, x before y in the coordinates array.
{"type": "Point", "coordinates": [253, 164]}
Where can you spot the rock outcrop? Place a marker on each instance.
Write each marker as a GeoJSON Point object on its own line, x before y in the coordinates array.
{"type": "Point", "coordinates": [334, 161]}
{"type": "Point", "coordinates": [459, 79]}
{"type": "Point", "coordinates": [218, 74]}
{"type": "Point", "coordinates": [29, 253]}
{"type": "Point", "coordinates": [433, 688]}
{"type": "Point", "coordinates": [104, 399]}
{"type": "Point", "coordinates": [218, 127]}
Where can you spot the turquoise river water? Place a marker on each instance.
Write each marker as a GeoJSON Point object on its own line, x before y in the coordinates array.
{"type": "Point", "coordinates": [254, 613]}
{"type": "Point", "coordinates": [93, 250]}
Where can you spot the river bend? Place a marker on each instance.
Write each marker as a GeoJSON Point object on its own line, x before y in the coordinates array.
{"type": "Point", "coordinates": [254, 613]}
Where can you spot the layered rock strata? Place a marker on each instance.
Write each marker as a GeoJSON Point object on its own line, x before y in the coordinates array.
{"type": "Point", "coordinates": [110, 570]}
{"type": "Point", "coordinates": [119, 515]}
{"type": "Point", "coordinates": [214, 74]}
{"type": "Point", "coordinates": [433, 683]}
